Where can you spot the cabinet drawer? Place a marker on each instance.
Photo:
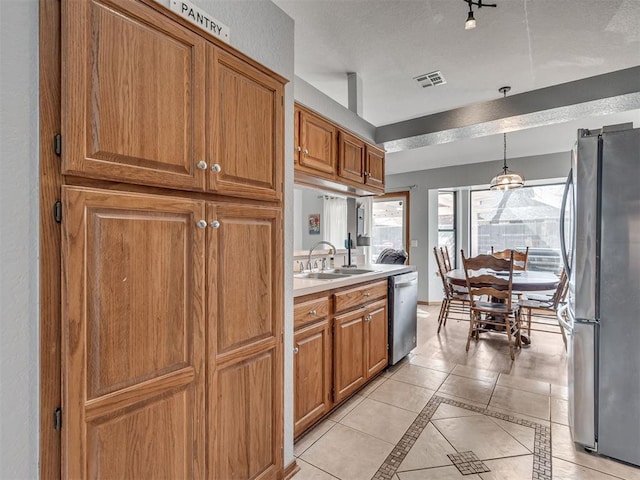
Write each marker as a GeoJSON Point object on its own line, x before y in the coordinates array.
{"type": "Point", "coordinates": [310, 311]}
{"type": "Point", "coordinates": [357, 296]}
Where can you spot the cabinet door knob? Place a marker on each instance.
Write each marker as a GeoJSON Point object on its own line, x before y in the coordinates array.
{"type": "Point", "coordinates": [298, 148]}
{"type": "Point", "coordinates": [295, 351]}
{"type": "Point", "coordinates": [202, 165]}
{"type": "Point", "coordinates": [216, 168]}
{"type": "Point", "coordinates": [305, 151]}
{"type": "Point", "coordinates": [201, 223]}
{"type": "Point", "coordinates": [367, 294]}
{"type": "Point", "coordinates": [214, 224]}
{"type": "Point", "coordinates": [313, 312]}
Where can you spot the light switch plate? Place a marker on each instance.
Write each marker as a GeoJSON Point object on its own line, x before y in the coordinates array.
{"type": "Point", "coordinates": [414, 243]}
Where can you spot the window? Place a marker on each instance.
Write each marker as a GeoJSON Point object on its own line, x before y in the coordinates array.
{"type": "Point", "coordinates": [526, 217]}
{"type": "Point", "coordinates": [390, 225]}
{"type": "Point", "coordinates": [447, 223]}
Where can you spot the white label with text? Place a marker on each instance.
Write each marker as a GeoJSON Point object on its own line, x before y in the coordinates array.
{"type": "Point", "coordinates": [201, 19]}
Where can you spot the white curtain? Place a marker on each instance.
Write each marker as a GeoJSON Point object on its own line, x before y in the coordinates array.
{"type": "Point", "coordinates": [335, 220]}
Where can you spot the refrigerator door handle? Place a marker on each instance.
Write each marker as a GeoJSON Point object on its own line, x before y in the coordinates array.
{"type": "Point", "coordinates": [563, 323]}
{"type": "Point", "coordinates": [563, 242]}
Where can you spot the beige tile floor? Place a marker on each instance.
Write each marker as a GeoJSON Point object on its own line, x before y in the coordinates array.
{"type": "Point", "coordinates": [356, 438]}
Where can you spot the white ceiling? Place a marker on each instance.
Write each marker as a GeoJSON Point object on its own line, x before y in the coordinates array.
{"type": "Point", "coordinates": [527, 44]}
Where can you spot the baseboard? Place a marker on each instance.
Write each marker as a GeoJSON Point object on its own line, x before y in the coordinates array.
{"type": "Point", "coordinates": [291, 470]}
{"type": "Point", "coordinates": [422, 302]}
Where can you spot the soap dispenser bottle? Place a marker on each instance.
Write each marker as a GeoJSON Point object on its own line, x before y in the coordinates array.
{"type": "Point", "coordinates": [331, 260]}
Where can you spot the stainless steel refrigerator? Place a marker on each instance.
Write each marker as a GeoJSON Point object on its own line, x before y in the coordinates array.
{"type": "Point", "coordinates": [601, 250]}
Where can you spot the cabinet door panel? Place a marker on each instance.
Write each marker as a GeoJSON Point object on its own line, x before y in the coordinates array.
{"type": "Point", "coordinates": [376, 333]}
{"type": "Point", "coordinates": [319, 142]}
{"type": "Point", "coordinates": [245, 128]}
{"type": "Point", "coordinates": [133, 335]}
{"type": "Point", "coordinates": [312, 374]}
{"type": "Point", "coordinates": [133, 101]}
{"type": "Point", "coordinates": [349, 369]}
{"type": "Point", "coordinates": [351, 158]}
{"type": "Point", "coordinates": [247, 418]}
{"type": "Point", "coordinates": [375, 168]}
{"type": "Point", "coordinates": [244, 256]}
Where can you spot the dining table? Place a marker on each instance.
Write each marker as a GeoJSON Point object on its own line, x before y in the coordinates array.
{"type": "Point", "coordinates": [522, 280]}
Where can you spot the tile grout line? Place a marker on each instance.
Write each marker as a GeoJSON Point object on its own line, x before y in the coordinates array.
{"type": "Point", "coordinates": [541, 451]}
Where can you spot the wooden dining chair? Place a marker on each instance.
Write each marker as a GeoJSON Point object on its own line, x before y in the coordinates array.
{"type": "Point", "coordinates": [520, 258]}
{"type": "Point", "coordinates": [452, 300]}
{"type": "Point", "coordinates": [544, 308]}
{"type": "Point", "coordinates": [444, 250]}
{"type": "Point", "coordinates": [489, 283]}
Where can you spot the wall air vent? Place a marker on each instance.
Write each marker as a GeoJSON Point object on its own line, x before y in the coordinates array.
{"type": "Point", "coordinates": [431, 79]}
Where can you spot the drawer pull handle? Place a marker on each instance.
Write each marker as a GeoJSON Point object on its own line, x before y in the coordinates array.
{"type": "Point", "coordinates": [295, 350]}
{"type": "Point", "coordinates": [367, 294]}
{"type": "Point", "coordinates": [313, 312]}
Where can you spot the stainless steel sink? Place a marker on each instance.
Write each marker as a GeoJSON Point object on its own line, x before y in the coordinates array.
{"type": "Point", "coordinates": [321, 275]}
{"type": "Point", "coordinates": [351, 271]}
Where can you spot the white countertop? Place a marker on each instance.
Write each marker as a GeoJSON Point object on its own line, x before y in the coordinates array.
{"type": "Point", "coordinates": [306, 286]}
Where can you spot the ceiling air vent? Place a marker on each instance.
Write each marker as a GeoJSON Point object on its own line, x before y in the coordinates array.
{"type": "Point", "coordinates": [431, 79]}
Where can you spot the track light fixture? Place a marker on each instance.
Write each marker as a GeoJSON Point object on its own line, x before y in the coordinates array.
{"type": "Point", "coordinates": [506, 180]}
{"type": "Point", "coordinates": [471, 21]}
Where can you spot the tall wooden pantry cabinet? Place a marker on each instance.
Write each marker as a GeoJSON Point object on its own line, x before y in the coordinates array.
{"type": "Point", "coordinates": [172, 281]}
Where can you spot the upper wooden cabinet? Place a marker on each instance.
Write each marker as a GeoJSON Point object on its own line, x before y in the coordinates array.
{"type": "Point", "coordinates": [328, 156]}
{"type": "Point", "coordinates": [133, 96]}
{"type": "Point", "coordinates": [148, 101]}
{"type": "Point", "coordinates": [244, 129]}
{"type": "Point", "coordinates": [374, 171]}
{"type": "Point", "coordinates": [351, 159]}
{"type": "Point", "coordinates": [318, 144]}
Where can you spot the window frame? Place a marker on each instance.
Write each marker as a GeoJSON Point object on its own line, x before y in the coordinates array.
{"type": "Point", "coordinates": [454, 225]}
{"type": "Point", "coordinates": [404, 196]}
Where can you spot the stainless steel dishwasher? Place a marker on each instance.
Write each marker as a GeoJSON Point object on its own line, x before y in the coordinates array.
{"type": "Point", "coordinates": [403, 315]}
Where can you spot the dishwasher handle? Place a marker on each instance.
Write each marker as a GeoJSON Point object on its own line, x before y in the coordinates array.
{"type": "Point", "coordinates": [405, 284]}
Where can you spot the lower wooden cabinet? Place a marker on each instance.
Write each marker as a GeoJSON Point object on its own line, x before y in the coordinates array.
{"type": "Point", "coordinates": [172, 337]}
{"type": "Point", "coordinates": [349, 355]}
{"type": "Point", "coordinates": [376, 338]}
{"type": "Point", "coordinates": [360, 347]}
{"type": "Point", "coordinates": [312, 374]}
{"type": "Point", "coordinates": [335, 356]}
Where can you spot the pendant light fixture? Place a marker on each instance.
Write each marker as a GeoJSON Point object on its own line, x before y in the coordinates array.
{"type": "Point", "coordinates": [506, 180]}
{"type": "Point", "coordinates": [471, 21]}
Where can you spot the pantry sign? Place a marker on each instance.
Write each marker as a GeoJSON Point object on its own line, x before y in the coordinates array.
{"type": "Point", "coordinates": [201, 19]}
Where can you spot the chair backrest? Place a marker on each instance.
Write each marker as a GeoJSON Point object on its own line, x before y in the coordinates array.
{"type": "Point", "coordinates": [489, 275]}
{"type": "Point", "coordinates": [446, 258]}
{"type": "Point", "coordinates": [561, 290]}
{"type": "Point", "coordinates": [520, 258]}
{"type": "Point", "coordinates": [441, 270]}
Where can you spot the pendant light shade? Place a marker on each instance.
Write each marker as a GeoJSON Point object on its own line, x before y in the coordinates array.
{"type": "Point", "coordinates": [506, 180]}
{"type": "Point", "coordinates": [471, 22]}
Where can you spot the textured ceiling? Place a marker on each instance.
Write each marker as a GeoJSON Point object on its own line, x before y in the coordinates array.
{"type": "Point", "coordinates": [527, 44]}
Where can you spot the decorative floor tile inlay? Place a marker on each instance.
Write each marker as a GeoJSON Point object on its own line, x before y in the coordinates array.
{"type": "Point", "coordinates": [541, 449]}
{"type": "Point", "coordinates": [468, 463]}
